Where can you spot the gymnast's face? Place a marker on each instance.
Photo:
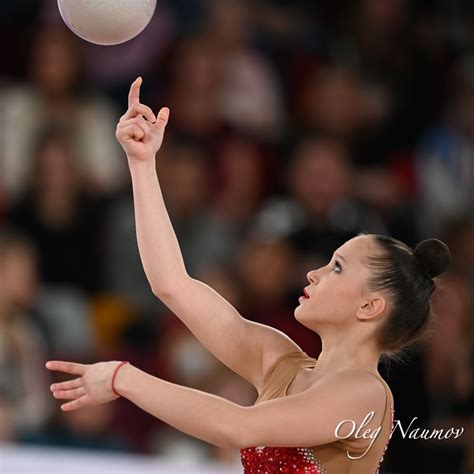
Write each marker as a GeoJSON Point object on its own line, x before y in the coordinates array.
{"type": "Point", "coordinates": [338, 295]}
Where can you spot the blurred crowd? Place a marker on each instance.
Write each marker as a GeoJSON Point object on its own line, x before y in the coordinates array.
{"type": "Point", "coordinates": [294, 126]}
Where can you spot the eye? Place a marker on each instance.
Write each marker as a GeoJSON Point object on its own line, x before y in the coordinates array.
{"type": "Point", "coordinates": [337, 267]}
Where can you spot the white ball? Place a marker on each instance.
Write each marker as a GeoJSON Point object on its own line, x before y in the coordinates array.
{"type": "Point", "coordinates": [107, 22]}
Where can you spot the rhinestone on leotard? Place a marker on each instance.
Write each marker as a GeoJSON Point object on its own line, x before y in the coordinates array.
{"type": "Point", "coordinates": [270, 460]}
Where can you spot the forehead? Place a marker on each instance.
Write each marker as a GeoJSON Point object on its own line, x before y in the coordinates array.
{"type": "Point", "coordinates": [357, 248]}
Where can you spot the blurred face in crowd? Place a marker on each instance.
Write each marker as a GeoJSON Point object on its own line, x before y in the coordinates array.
{"type": "Point", "coordinates": [332, 102]}
{"type": "Point", "coordinates": [195, 68]}
{"type": "Point", "coordinates": [185, 180]}
{"type": "Point", "coordinates": [55, 169]}
{"type": "Point", "coordinates": [54, 65]}
{"type": "Point", "coordinates": [194, 83]}
{"type": "Point", "coordinates": [18, 275]}
{"type": "Point", "coordinates": [338, 296]}
{"type": "Point", "coordinates": [383, 14]}
{"type": "Point", "coordinates": [265, 267]}
{"type": "Point", "coordinates": [240, 175]}
{"type": "Point", "coordinates": [313, 161]}
{"type": "Point", "coordinates": [229, 22]}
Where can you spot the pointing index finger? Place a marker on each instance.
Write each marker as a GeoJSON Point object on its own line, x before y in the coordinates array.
{"type": "Point", "coordinates": [134, 94]}
{"type": "Point", "coordinates": [68, 367]}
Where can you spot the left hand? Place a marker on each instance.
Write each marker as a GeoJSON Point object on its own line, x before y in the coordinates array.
{"type": "Point", "coordinates": [92, 387]}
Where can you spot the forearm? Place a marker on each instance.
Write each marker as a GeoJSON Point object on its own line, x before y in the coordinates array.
{"type": "Point", "coordinates": [198, 414]}
{"type": "Point", "coordinates": [159, 248]}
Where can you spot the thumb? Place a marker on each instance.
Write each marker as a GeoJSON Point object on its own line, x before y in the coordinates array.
{"type": "Point", "coordinates": [162, 118]}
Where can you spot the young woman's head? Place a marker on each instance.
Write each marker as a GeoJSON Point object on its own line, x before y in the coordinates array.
{"type": "Point", "coordinates": [378, 287]}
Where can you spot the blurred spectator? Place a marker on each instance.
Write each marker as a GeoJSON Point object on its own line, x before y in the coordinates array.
{"type": "Point", "coordinates": [67, 314]}
{"type": "Point", "coordinates": [244, 177]}
{"type": "Point", "coordinates": [445, 165]}
{"type": "Point", "coordinates": [24, 382]}
{"type": "Point", "coordinates": [194, 75]}
{"type": "Point", "coordinates": [250, 97]}
{"type": "Point", "coordinates": [89, 428]}
{"type": "Point", "coordinates": [330, 101]}
{"type": "Point", "coordinates": [390, 190]}
{"type": "Point", "coordinates": [321, 212]}
{"type": "Point", "coordinates": [56, 96]}
{"type": "Point", "coordinates": [375, 34]}
{"type": "Point", "coordinates": [58, 213]}
{"type": "Point", "coordinates": [450, 367]}
{"type": "Point", "coordinates": [7, 417]}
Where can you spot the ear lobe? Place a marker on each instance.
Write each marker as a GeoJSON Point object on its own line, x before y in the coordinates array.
{"type": "Point", "coordinates": [371, 309]}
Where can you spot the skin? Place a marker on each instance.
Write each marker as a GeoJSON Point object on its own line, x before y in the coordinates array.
{"type": "Point", "coordinates": [341, 387]}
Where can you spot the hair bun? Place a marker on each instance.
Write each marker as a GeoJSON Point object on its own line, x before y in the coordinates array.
{"type": "Point", "coordinates": [434, 255]}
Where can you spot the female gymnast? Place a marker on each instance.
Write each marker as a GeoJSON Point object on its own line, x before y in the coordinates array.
{"type": "Point", "coordinates": [331, 415]}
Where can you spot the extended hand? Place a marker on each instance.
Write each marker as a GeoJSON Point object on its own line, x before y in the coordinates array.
{"type": "Point", "coordinates": [93, 387]}
{"type": "Point", "coordinates": [140, 138]}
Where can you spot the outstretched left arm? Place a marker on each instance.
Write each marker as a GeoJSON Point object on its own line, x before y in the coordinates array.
{"type": "Point", "coordinates": [202, 415]}
{"type": "Point", "coordinates": [309, 418]}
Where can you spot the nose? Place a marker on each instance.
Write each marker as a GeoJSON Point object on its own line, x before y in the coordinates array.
{"type": "Point", "coordinates": [312, 276]}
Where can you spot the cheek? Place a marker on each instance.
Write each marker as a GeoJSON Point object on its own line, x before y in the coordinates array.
{"type": "Point", "coordinates": [330, 299]}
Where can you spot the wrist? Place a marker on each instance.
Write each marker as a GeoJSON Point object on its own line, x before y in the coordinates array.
{"type": "Point", "coordinates": [149, 161]}
{"type": "Point", "coordinates": [113, 382]}
{"type": "Point", "coordinates": [121, 380]}
{"type": "Point", "coordinates": [142, 169]}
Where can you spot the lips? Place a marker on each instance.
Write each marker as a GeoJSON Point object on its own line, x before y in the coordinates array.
{"type": "Point", "coordinates": [305, 293]}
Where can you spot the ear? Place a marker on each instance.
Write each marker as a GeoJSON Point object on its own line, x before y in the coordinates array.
{"type": "Point", "coordinates": [371, 308]}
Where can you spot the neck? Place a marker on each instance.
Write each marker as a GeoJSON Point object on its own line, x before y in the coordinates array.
{"type": "Point", "coordinates": [341, 353]}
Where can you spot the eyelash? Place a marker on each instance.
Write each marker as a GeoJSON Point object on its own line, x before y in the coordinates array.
{"type": "Point", "coordinates": [337, 265]}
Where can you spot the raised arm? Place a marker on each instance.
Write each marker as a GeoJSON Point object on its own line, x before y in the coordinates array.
{"type": "Point", "coordinates": [248, 348]}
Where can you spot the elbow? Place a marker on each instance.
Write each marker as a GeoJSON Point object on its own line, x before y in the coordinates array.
{"type": "Point", "coordinates": [161, 293]}
{"type": "Point", "coordinates": [165, 293]}
{"type": "Point", "coordinates": [171, 288]}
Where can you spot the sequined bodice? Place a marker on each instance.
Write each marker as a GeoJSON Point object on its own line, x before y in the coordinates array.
{"type": "Point", "coordinates": [266, 460]}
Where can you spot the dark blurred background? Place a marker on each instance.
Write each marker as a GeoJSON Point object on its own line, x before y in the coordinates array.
{"type": "Point", "coordinates": [294, 126]}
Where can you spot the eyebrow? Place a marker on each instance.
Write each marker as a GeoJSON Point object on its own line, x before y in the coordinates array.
{"type": "Point", "coordinates": [341, 257]}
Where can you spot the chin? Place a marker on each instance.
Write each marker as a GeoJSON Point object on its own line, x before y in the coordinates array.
{"type": "Point", "coordinates": [306, 318]}
{"type": "Point", "coordinates": [300, 314]}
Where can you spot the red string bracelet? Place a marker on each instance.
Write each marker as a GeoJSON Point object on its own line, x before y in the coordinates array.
{"type": "Point", "coordinates": [115, 373]}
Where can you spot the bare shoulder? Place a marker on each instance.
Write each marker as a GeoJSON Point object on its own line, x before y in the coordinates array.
{"type": "Point", "coordinates": [360, 382]}
{"type": "Point", "coordinates": [360, 390]}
